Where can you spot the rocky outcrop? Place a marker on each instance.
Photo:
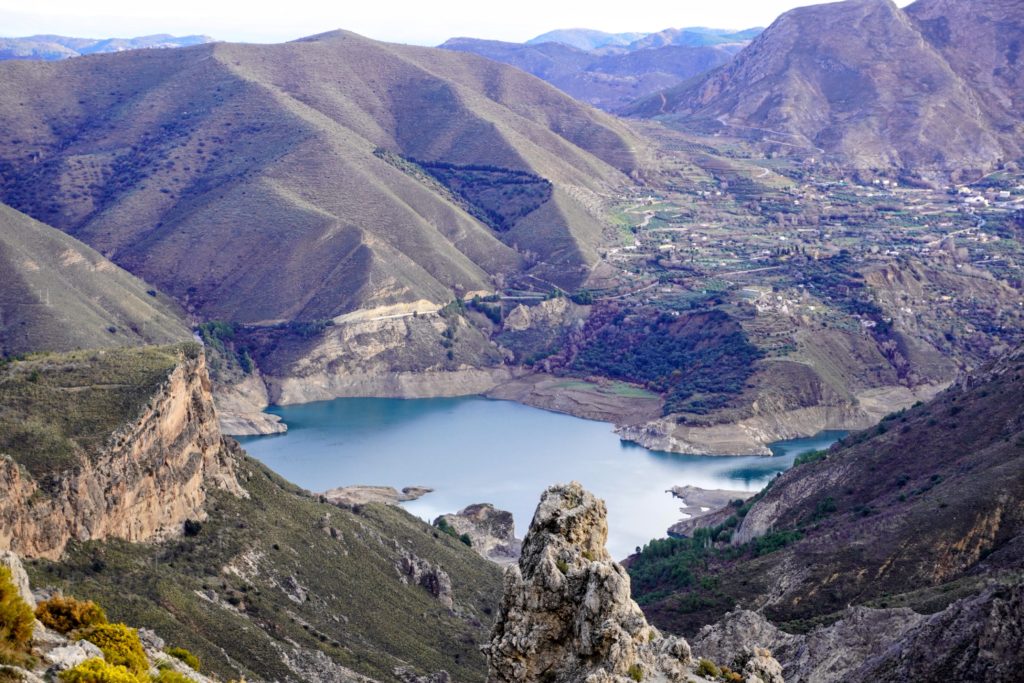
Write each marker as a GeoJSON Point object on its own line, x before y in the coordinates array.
{"type": "Point", "coordinates": [18, 576]}
{"type": "Point", "coordinates": [492, 532]}
{"type": "Point", "coordinates": [353, 496]}
{"type": "Point", "coordinates": [432, 578]}
{"type": "Point", "coordinates": [974, 639]}
{"type": "Point", "coordinates": [566, 614]}
{"type": "Point", "coordinates": [151, 476]}
{"type": "Point", "coordinates": [240, 408]}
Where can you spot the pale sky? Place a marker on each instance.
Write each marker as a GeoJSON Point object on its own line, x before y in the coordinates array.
{"type": "Point", "coordinates": [423, 22]}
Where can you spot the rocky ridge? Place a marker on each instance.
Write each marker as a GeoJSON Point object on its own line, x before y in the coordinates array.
{"type": "Point", "coordinates": [151, 476]}
{"type": "Point", "coordinates": [976, 638]}
{"type": "Point", "coordinates": [566, 614]}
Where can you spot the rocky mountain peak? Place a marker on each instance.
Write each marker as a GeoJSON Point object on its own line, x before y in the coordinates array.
{"type": "Point", "coordinates": [567, 616]}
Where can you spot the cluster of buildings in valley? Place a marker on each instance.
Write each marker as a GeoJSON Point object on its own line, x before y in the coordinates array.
{"type": "Point", "coordinates": [760, 249]}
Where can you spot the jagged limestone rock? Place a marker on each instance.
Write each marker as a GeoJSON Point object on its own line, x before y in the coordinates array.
{"type": "Point", "coordinates": [490, 530]}
{"type": "Point", "coordinates": [567, 617]}
{"type": "Point", "coordinates": [18, 576]}
{"type": "Point", "coordinates": [762, 668]}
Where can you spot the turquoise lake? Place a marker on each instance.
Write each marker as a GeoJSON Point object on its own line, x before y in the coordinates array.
{"type": "Point", "coordinates": [475, 450]}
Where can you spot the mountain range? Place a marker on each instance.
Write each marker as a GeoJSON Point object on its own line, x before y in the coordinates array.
{"type": "Point", "coordinates": [607, 79]}
{"type": "Point", "coordinates": [590, 40]}
{"type": "Point", "coordinates": [611, 71]}
{"type": "Point", "coordinates": [933, 86]}
{"type": "Point", "coordinates": [352, 173]}
{"type": "Point", "coordinates": [49, 47]}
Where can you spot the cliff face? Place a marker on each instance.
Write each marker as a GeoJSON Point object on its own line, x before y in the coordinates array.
{"type": "Point", "coordinates": [149, 477]}
{"type": "Point", "coordinates": [566, 614]}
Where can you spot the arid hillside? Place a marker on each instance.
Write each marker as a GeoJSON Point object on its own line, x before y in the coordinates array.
{"type": "Point", "coordinates": [305, 180]}
{"type": "Point", "coordinates": [57, 294]}
{"type": "Point", "coordinates": [935, 86]}
{"type": "Point", "coordinates": [606, 78]}
{"type": "Point", "coordinates": [918, 512]}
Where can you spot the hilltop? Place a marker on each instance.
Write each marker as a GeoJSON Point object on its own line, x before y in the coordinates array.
{"type": "Point", "coordinates": [283, 187]}
{"type": "Point", "coordinates": [58, 295]}
{"type": "Point", "coordinates": [612, 71]}
{"type": "Point", "coordinates": [586, 38]}
{"type": "Point", "coordinates": [863, 80]}
{"type": "Point", "coordinates": [214, 169]}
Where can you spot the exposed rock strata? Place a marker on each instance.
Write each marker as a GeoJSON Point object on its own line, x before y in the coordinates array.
{"type": "Point", "coordinates": [351, 496]}
{"type": "Point", "coordinates": [751, 436]}
{"type": "Point", "coordinates": [974, 639]}
{"type": "Point", "coordinates": [491, 531]}
{"type": "Point", "coordinates": [391, 356]}
{"type": "Point", "coordinates": [151, 476]}
{"type": "Point", "coordinates": [240, 408]}
{"type": "Point", "coordinates": [567, 616]}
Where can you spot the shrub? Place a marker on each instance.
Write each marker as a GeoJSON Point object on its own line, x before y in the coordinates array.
{"type": "Point", "coordinates": [636, 673]}
{"type": "Point", "coordinates": [708, 669]}
{"type": "Point", "coordinates": [185, 656]}
{"type": "Point", "coordinates": [98, 671]}
{"type": "Point", "coordinates": [120, 645]}
{"type": "Point", "coordinates": [170, 676]}
{"type": "Point", "coordinates": [466, 539]}
{"type": "Point", "coordinates": [15, 622]}
{"type": "Point", "coordinates": [67, 614]}
{"type": "Point", "coordinates": [809, 457]}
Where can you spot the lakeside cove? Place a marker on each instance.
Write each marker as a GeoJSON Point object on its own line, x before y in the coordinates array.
{"type": "Point", "coordinates": [472, 450]}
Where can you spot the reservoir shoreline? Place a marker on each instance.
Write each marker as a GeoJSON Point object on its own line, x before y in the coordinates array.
{"type": "Point", "coordinates": [475, 450]}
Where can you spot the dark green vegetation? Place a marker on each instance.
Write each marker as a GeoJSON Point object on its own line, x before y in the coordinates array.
{"type": "Point", "coordinates": [919, 511]}
{"type": "Point", "coordinates": [442, 524]}
{"type": "Point", "coordinates": [500, 196]}
{"type": "Point", "coordinates": [56, 294]}
{"type": "Point", "coordinates": [697, 360]}
{"type": "Point", "coordinates": [55, 409]}
{"type": "Point", "coordinates": [282, 567]}
{"type": "Point", "coordinates": [218, 339]}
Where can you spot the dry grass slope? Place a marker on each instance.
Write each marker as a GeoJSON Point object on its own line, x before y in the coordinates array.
{"type": "Point", "coordinates": [242, 179]}
{"type": "Point", "coordinates": [929, 87]}
{"type": "Point", "coordinates": [57, 294]}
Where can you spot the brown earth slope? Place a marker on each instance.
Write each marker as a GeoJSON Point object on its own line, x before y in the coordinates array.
{"type": "Point", "coordinates": [271, 183]}
{"type": "Point", "coordinates": [934, 86]}
{"type": "Point", "coordinates": [56, 294]}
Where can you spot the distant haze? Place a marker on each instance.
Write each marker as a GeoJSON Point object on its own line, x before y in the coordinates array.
{"type": "Point", "coordinates": [407, 21]}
